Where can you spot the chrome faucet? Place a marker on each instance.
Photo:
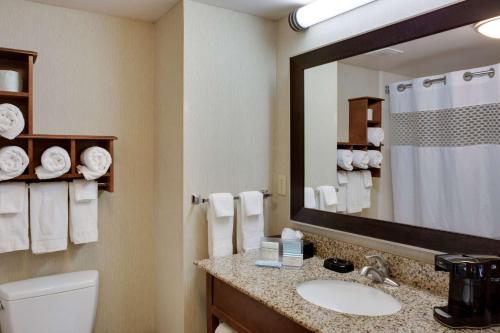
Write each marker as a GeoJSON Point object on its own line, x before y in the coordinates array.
{"type": "Point", "coordinates": [380, 272]}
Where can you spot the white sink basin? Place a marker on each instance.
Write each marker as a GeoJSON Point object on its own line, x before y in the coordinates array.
{"type": "Point", "coordinates": [348, 297]}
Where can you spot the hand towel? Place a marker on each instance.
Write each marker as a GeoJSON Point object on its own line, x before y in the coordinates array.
{"type": "Point", "coordinates": [83, 211]}
{"type": "Point", "coordinates": [220, 215]}
{"type": "Point", "coordinates": [310, 198]}
{"type": "Point", "coordinates": [342, 182]}
{"type": "Point", "coordinates": [344, 159]}
{"type": "Point", "coordinates": [13, 162]}
{"type": "Point", "coordinates": [376, 159]}
{"type": "Point", "coordinates": [49, 217]}
{"type": "Point", "coordinates": [354, 192]}
{"type": "Point", "coordinates": [95, 163]}
{"type": "Point", "coordinates": [11, 121]}
{"type": "Point", "coordinates": [250, 222]}
{"type": "Point", "coordinates": [327, 198]}
{"type": "Point", "coordinates": [360, 159]}
{"type": "Point", "coordinates": [14, 219]}
{"type": "Point", "coordinates": [224, 328]}
{"type": "Point", "coordinates": [55, 163]}
{"type": "Point", "coordinates": [366, 188]}
{"type": "Point", "coordinates": [375, 136]}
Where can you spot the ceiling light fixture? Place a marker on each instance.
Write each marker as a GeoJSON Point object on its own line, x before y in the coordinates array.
{"type": "Point", "coordinates": [489, 28]}
{"type": "Point", "coordinates": [321, 10]}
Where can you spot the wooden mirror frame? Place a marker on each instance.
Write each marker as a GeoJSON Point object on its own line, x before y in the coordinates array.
{"type": "Point", "coordinates": [451, 17]}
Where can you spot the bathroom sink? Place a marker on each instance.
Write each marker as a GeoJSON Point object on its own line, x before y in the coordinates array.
{"type": "Point", "coordinates": [348, 297]}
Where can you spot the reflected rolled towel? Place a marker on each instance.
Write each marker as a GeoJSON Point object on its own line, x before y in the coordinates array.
{"type": "Point", "coordinates": [55, 163]}
{"type": "Point", "coordinates": [375, 136]}
{"type": "Point", "coordinates": [95, 163]}
{"type": "Point", "coordinates": [13, 162]}
{"type": "Point", "coordinates": [360, 159]}
{"type": "Point", "coordinates": [344, 159]}
{"type": "Point", "coordinates": [11, 121]}
{"type": "Point", "coordinates": [376, 158]}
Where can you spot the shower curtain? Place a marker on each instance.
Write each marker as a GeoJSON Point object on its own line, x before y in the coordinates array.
{"type": "Point", "coordinates": [445, 154]}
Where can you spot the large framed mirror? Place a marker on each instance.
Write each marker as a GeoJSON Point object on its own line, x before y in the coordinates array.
{"type": "Point", "coordinates": [395, 134]}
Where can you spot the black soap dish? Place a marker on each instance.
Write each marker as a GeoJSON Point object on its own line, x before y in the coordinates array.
{"type": "Point", "coordinates": [338, 265]}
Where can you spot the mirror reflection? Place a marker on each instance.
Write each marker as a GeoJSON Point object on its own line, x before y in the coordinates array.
{"type": "Point", "coordinates": [409, 133]}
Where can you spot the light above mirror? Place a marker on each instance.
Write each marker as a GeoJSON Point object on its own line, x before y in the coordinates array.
{"type": "Point", "coordinates": [321, 10]}
{"type": "Point", "coordinates": [489, 28]}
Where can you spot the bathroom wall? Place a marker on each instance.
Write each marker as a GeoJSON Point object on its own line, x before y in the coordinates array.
{"type": "Point", "coordinates": [292, 43]}
{"type": "Point", "coordinates": [94, 75]}
{"type": "Point", "coordinates": [168, 239]}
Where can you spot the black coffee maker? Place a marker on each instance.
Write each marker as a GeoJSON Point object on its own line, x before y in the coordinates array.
{"type": "Point", "coordinates": [474, 296]}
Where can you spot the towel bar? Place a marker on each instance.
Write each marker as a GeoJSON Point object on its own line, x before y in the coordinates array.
{"type": "Point", "coordinates": [198, 199]}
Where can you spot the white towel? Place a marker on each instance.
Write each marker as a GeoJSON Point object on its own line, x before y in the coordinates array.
{"type": "Point", "coordinates": [310, 198]}
{"type": "Point", "coordinates": [366, 189]}
{"type": "Point", "coordinates": [49, 217]}
{"type": "Point", "coordinates": [55, 163]}
{"type": "Point", "coordinates": [375, 136]}
{"type": "Point", "coordinates": [354, 192]}
{"type": "Point", "coordinates": [11, 121]}
{"type": "Point", "coordinates": [342, 182]}
{"type": "Point", "coordinates": [360, 159]}
{"type": "Point", "coordinates": [327, 198]}
{"type": "Point", "coordinates": [95, 163]}
{"type": "Point", "coordinates": [344, 159]}
{"type": "Point", "coordinates": [376, 159]}
{"type": "Point", "coordinates": [83, 211]}
{"type": "Point", "coordinates": [220, 215]}
{"type": "Point", "coordinates": [14, 217]}
{"type": "Point", "coordinates": [13, 162]}
{"type": "Point", "coordinates": [224, 328]}
{"type": "Point", "coordinates": [250, 222]}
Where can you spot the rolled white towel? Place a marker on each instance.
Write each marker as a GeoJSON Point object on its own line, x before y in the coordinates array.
{"type": "Point", "coordinates": [344, 159]}
{"type": "Point", "coordinates": [11, 121]}
{"type": "Point", "coordinates": [360, 159]}
{"type": "Point", "coordinates": [55, 163]}
{"type": "Point", "coordinates": [13, 162]}
{"type": "Point", "coordinates": [375, 136]}
{"type": "Point", "coordinates": [95, 163]}
{"type": "Point", "coordinates": [376, 158]}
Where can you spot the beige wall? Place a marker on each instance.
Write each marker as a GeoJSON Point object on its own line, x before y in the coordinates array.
{"type": "Point", "coordinates": [229, 95]}
{"type": "Point", "coordinates": [94, 75]}
{"type": "Point", "coordinates": [169, 296]}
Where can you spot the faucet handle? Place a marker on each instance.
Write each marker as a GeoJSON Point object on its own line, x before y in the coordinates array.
{"type": "Point", "coordinates": [381, 262]}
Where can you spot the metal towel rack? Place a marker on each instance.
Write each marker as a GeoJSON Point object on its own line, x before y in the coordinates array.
{"type": "Point", "coordinates": [198, 199]}
{"type": "Point", "coordinates": [468, 76]}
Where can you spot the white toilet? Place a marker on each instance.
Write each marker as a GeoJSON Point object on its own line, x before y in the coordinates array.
{"type": "Point", "coordinates": [52, 304]}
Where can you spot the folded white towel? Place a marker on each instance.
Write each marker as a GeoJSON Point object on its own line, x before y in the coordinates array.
{"type": "Point", "coordinates": [360, 159]}
{"type": "Point", "coordinates": [220, 225]}
{"type": "Point", "coordinates": [376, 159]}
{"type": "Point", "coordinates": [342, 182]}
{"type": "Point", "coordinates": [344, 159]}
{"type": "Point", "coordinates": [83, 211]}
{"type": "Point", "coordinates": [327, 198]}
{"type": "Point", "coordinates": [250, 222]}
{"type": "Point", "coordinates": [11, 121]}
{"type": "Point", "coordinates": [310, 198]}
{"type": "Point", "coordinates": [95, 163]}
{"type": "Point", "coordinates": [375, 136]}
{"type": "Point", "coordinates": [55, 163]}
{"type": "Point", "coordinates": [13, 217]}
{"type": "Point", "coordinates": [366, 189]}
{"type": "Point", "coordinates": [13, 162]}
{"type": "Point", "coordinates": [290, 234]}
{"type": "Point", "coordinates": [354, 192]}
{"type": "Point", "coordinates": [224, 328]}
{"type": "Point", "coordinates": [49, 217]}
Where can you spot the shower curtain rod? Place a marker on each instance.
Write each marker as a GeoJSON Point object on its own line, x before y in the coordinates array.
{"type": "Point", "coordinates": [468, 76]}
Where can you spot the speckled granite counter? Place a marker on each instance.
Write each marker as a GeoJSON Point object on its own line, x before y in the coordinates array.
{"type": "Point", "coordinates": [276, 289]}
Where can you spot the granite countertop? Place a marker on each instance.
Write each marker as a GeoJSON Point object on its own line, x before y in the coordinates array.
{"type": "Point", "coordinates": [276, 289]}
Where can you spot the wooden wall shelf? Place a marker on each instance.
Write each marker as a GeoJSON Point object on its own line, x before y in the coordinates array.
{"type": "Point", "coordinates": [35, 144]}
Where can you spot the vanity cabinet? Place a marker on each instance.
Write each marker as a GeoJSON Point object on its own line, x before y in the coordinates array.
{"type": "Point", "coordinates": [243, 313]}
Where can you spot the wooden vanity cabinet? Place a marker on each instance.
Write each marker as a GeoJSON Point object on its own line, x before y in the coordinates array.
{"type": "Point", "coordinates": [243, 313]}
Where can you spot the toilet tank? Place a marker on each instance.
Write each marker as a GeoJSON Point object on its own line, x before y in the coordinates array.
{"type": "Point", "coordinates": [61, 303]}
